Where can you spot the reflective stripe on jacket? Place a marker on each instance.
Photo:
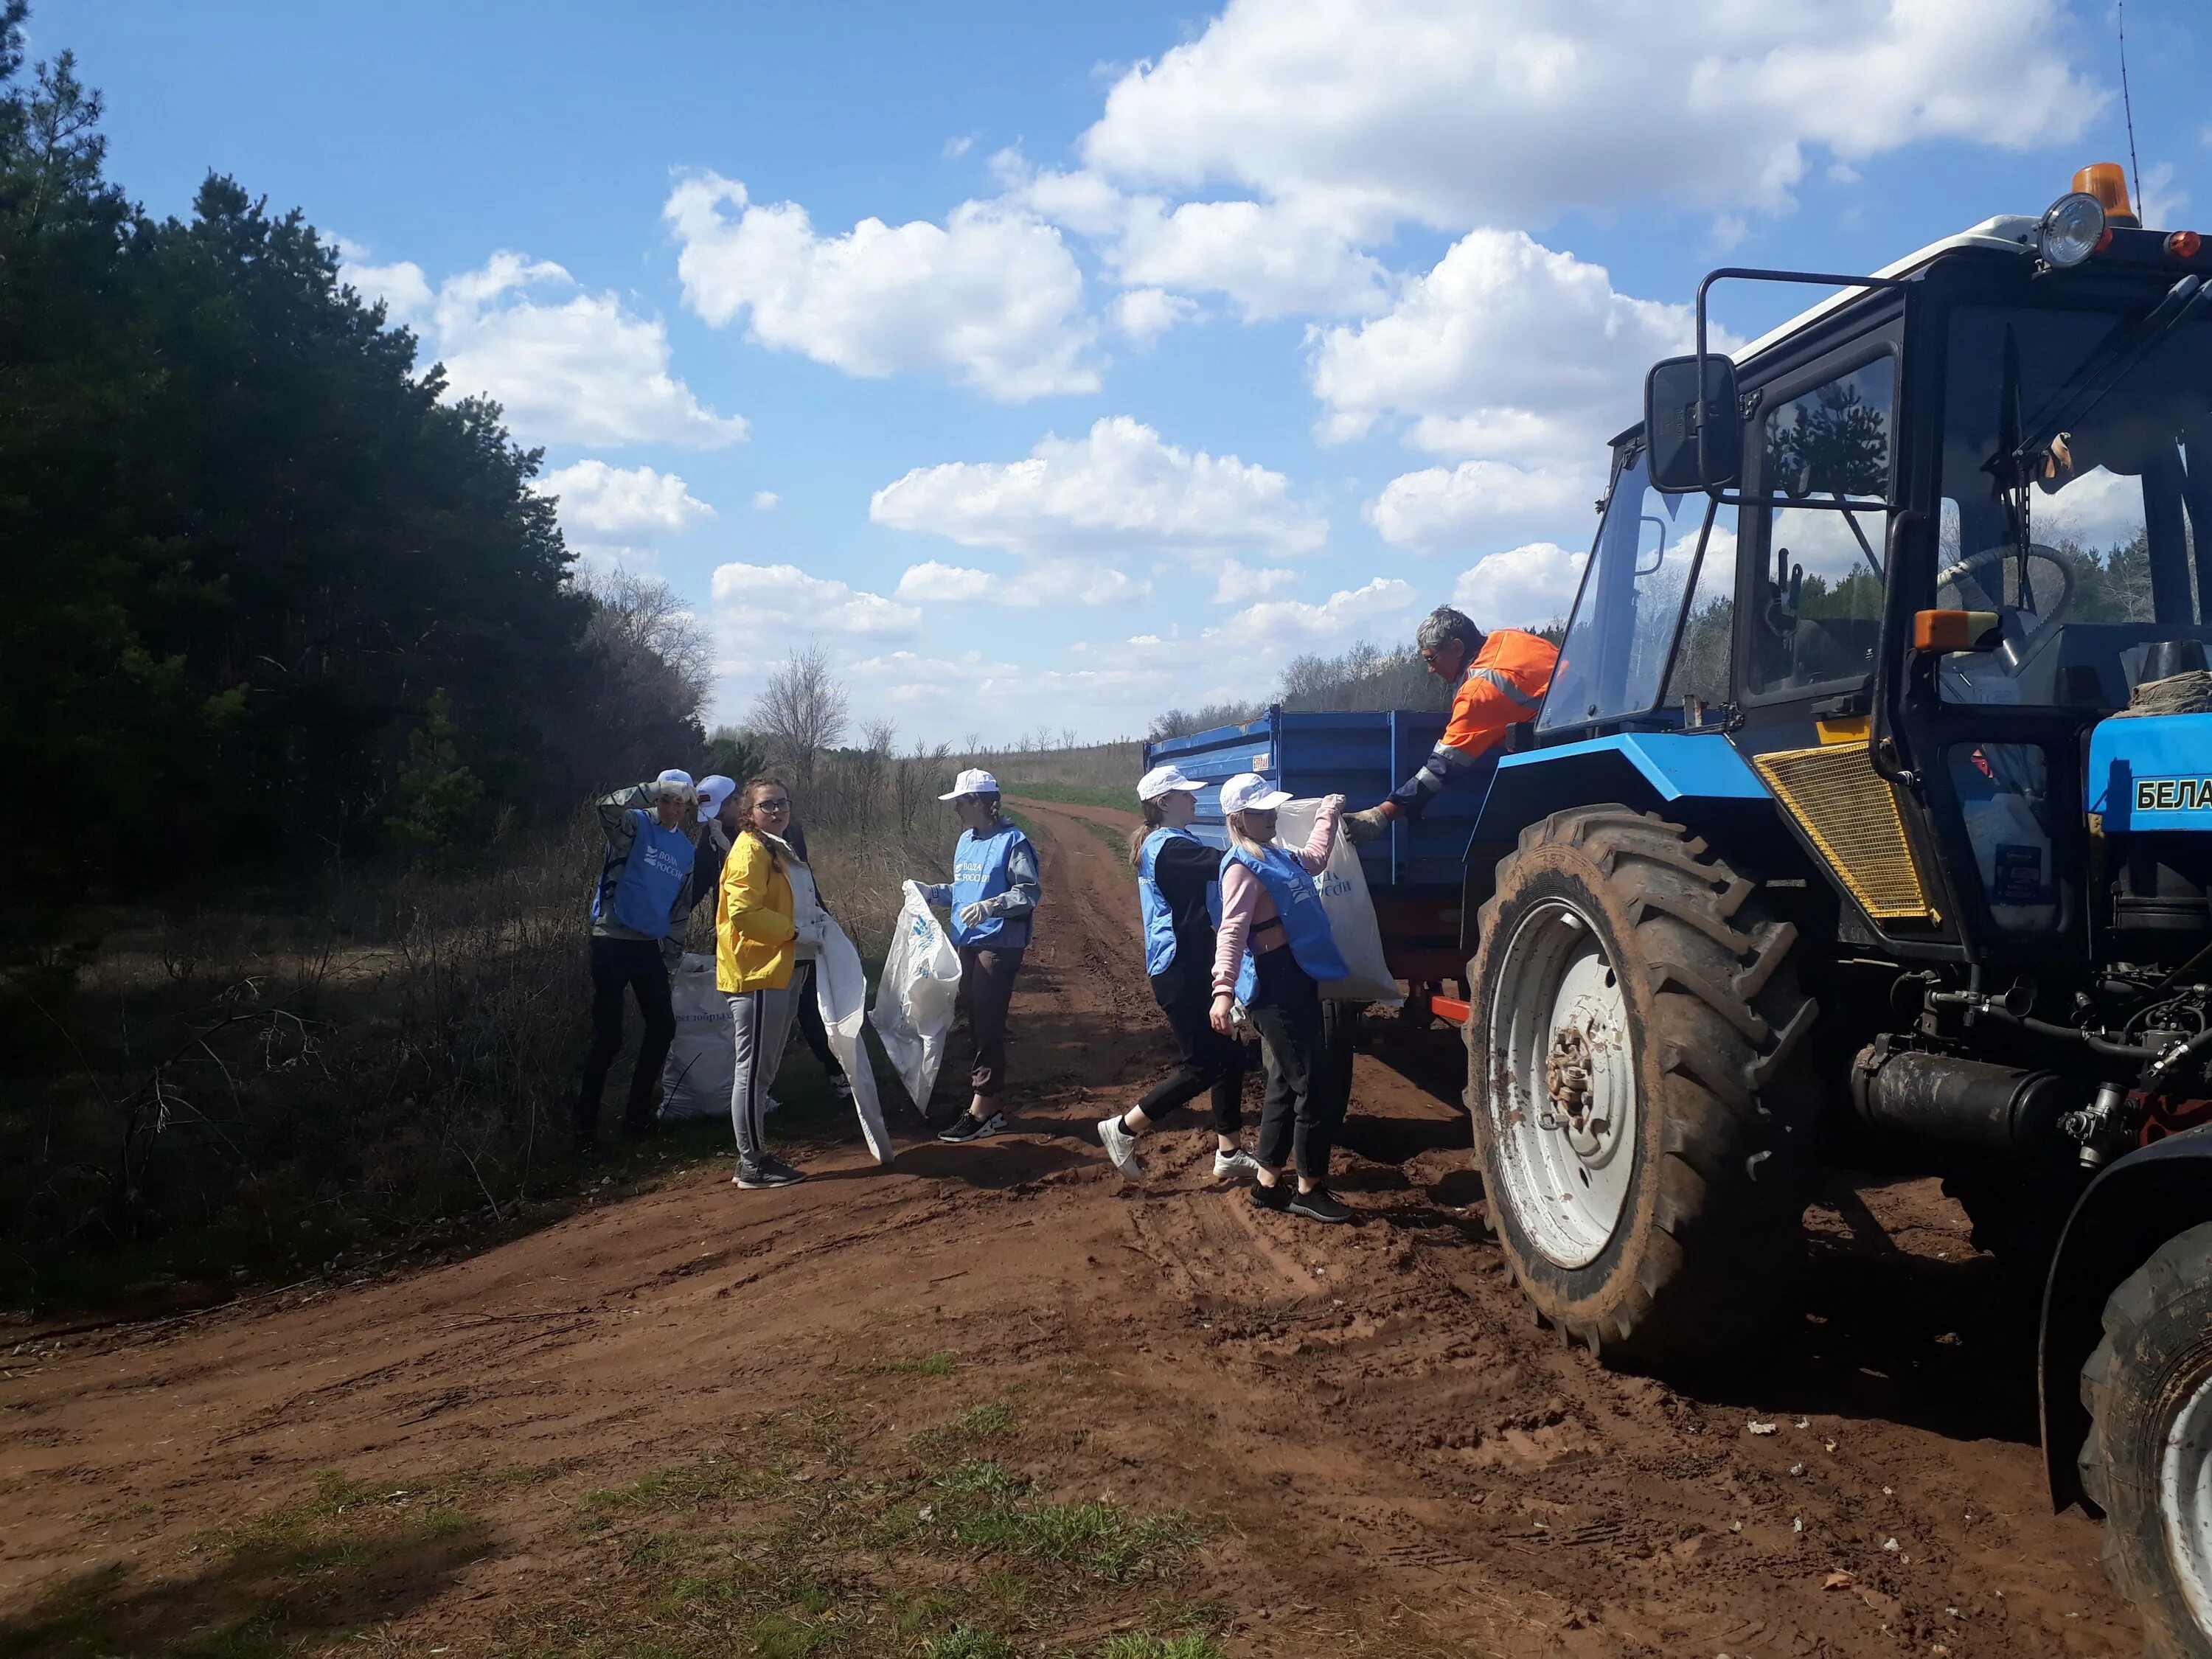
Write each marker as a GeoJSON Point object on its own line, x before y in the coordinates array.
{"type": "Point", "coordinates": [1504, 686]}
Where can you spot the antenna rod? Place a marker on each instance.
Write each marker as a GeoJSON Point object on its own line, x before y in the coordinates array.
{"type": "Point", "coordinates": [2127, 104]}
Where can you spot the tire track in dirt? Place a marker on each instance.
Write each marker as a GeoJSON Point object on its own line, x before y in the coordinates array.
{"type": "Point", "coordinates": [1401, 1462]}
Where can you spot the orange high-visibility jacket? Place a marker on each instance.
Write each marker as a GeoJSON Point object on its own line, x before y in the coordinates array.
{"type": "Point", "coordinates": [1503, 686]}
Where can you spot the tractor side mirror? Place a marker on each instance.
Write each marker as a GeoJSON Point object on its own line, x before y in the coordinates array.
{"type": "Point", "coordinates": [1695, 434]}
{"type": "Point", "coordinates": [1940, 632]}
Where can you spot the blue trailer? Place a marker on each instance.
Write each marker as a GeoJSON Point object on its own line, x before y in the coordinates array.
{"type": "Point", "coordinates": [1415, 873]}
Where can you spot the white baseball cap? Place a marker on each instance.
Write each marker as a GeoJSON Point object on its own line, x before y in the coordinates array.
{"type": "Point", "coordinates": [675, 775]}
{"type": "Point", "coordinates": [1248, 792]}
{"type": "Point", "coordinates": [714, 790]}
{"type": "Point", "coordinates": [973, 781]}
{"type": "Point", "coordinates": [1164, 780]}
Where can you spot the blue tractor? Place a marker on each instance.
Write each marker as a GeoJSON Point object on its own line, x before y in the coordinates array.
{"type": "Point", "coordinates": [1869, 819]}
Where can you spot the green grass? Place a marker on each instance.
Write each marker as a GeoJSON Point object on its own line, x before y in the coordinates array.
{"type": "Point", "coordinates": [940, 1364]}
{"type": "Point", "coordinates": [1074, 794]}
{"type": "Point", "coordinates": [1155, 1647]}
{"type": "Point", "coordinates": [990, 1508]}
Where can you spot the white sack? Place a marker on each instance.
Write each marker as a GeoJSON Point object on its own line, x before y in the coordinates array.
{"type": "Point", "coordinates": [702, 1061]}
{"type": "Point", "coordinates": [841, 991]}
{"type": "Point", "coordinates": [917, 997]}
{"type": "Point", "coordinates": [1350, 911]}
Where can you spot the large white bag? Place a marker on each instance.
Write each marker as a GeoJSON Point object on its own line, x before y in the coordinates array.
{"type": "Point", "coordinates": [1351, 910]}
{"type": "Point", "coordinates": [841, 991]}
{"type": "Point", "coordinates": [702, 1060]}
{"type": "Point", "coordinates": [916, 997]}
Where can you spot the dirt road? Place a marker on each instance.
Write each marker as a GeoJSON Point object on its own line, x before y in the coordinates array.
{"type": "Point", "coordinates": [1380, 1452]}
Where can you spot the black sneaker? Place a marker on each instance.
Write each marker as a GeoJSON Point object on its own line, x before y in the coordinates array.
{"type": "Point", "coordinates": [1263, 1197]}
{"type": "Point", "coordinates": [640, 1128]}
{"type": "Point", "coordinates": [588, 1153]}
{"type": "Point", "coordinates": [1320, 1205]}
{"type": "Point", "coordinates": [969, 1126]}
{"type": "Point", "coordinates": [767, 1172]}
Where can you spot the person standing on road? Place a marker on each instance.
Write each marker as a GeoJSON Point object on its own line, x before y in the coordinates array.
{"type": "Point", "coordinates": [1499, 681]}
{"type": "Point", "coordinates": [992, 896]}
{"type": "Point", "coordinates": [1178, 879]}
{"type": "Point", "coordinates": [1271, 909]}
{"type": "Point", "coordinates": [766, 919]}
{"type": "Point", "coordinates": [638, 911]}
{"type": "Point", "coordinates": [720, 825]}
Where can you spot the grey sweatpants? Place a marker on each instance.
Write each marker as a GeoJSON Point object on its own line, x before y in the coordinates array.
{"type": "Point", "coordinates": [760, 1022]}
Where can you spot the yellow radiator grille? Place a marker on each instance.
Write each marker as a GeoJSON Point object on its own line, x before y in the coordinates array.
{"type": "Point", "coordinates": [1850, 812]}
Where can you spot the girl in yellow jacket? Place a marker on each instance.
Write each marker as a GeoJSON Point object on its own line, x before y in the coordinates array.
{"type": "Point", "coordinates": [768, 917]}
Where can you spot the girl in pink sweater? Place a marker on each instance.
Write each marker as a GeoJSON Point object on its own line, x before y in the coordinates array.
{"type": "Point", "coordinates": [1271, 909]}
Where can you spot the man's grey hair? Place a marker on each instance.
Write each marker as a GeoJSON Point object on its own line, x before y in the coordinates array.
{"type": "Point", "coordinates": [1445, 624]}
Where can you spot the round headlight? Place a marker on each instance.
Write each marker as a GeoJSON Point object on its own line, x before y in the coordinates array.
{"type": "Point", "coordinates": [2071, 228]}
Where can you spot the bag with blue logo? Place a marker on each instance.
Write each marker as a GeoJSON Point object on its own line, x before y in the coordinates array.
{"type": "Point", "coordinates": [916, 997]}
{"type": "Point", "coordinates": [1351, 910]}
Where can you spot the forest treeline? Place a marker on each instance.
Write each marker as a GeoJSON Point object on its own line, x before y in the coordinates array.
{"type": "Point", "coordinates": [273, 596]}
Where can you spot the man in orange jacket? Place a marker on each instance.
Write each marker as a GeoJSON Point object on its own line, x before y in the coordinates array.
{"type": "Point", "coordinates": [1498, 678]}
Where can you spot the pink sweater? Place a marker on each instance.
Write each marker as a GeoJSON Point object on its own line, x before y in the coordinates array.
{"type": "Point", "coordinates": [1246, 906]}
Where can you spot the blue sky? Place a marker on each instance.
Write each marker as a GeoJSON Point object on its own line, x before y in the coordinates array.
{"type": "Point", "coordinates": [1170, 342]}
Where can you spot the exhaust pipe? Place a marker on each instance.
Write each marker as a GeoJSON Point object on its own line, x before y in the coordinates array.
{"type": "Point", "coordinates": [1962, 1103]}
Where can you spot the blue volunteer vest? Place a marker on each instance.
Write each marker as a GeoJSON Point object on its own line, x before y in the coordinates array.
{"type": "Point", "coordinates": [660, 864]}
{"type": "Point", "coordinates": [1159, 920]}
{"type": "Point", "coordinates": [979, 872]}
{"type": "Point", "coordinates": [1297, 902]}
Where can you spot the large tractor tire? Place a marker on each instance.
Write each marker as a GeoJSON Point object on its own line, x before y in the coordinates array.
{"type": "Point", "coordinates": [2148, 1462]}
{"type": "Point", "coordinates": [1634, 1073]}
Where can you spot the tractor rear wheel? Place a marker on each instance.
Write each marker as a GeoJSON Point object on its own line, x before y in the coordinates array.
{"type": "Point", "coordinates": [2148, 1462]}
{"type": "Point", "coordinates": [1640, 1105]}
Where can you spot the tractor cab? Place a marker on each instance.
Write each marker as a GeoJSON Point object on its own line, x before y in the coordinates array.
{"type": "Point", "coordinates": [1905, 552]}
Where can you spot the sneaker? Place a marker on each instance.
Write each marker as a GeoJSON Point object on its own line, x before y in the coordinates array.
{"type": "Point", "coordinates": [1276, 1197]}
{"type": "Point", "coordinates": [767, 1172]}
{"type": "Point", "coordinates": [771, 1104]}
{"type": "Point", "coordinates": [841, 1087]}
{"type": "Point", "coordinates": [1320, 1205]}
{"type": "Point", "coordinates": [1237, 1165]}
{"type": "Point", "coordinates": [640, 1128]}
{"type": "Point", "coordinates": [969, 1126]}
{"type": "Point", "coordinates": [1121, 1146]}
{"type": "Point", "coordinates": [588, 1153]}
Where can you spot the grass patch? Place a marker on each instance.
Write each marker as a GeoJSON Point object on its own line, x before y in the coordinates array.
{"type": "Point", "coordinates": [969, 1644]}
{"type": "Point", "coordinates": [940, 1364]}
{"type": "Point", "coordinates": [1159, 1647]}
{"type": "Point", "coordinates": [986, 1507]}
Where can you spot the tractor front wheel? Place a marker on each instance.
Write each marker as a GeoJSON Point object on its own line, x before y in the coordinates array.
{"type": "Point", "coordinates": [1639, 1105]}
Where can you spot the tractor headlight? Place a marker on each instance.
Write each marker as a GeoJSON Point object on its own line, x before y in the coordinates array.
{"type": "Point", "coordinates": [2071, 228]}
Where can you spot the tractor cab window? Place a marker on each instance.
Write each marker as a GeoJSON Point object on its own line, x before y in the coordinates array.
{"type": "Point", "coordinates": [2076, 500]}
{"type": "Point", "coordinates": [1816, 587]}
{"type": "Point", "coordinates": [1629, 606]}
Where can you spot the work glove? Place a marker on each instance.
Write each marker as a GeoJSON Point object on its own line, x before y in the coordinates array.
{"type": "Point", "coordinates": [1360, 828]}
{"type": "Point", "coordinates": [971, 914]}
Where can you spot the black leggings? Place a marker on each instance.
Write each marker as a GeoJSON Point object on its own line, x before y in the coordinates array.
{"type": "Point", "coordinates": [810, 1019]}
{"type": "Point", "coordinates": [1306, 1094]}
{"type": "Point", "coordinates": [1210, 1060]}
{"type": "Point", "coordinates": [618, 965]}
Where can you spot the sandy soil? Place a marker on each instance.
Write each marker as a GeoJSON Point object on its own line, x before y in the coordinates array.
{"type": "Point", "coordinates": [1396, 1458]}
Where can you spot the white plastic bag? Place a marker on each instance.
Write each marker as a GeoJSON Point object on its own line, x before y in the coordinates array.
{"type": "Point", "coordinates": [1350, 911]}
{"type": "Point", "coordinates": [841, 991]}
{"type": "Point", "coordinates": [695, 1082]}
{"type": "Point", "coordinates": [917, 997]}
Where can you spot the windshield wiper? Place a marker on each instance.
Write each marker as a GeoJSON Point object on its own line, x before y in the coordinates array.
{"type": "Point", "coordinates": [2106, 367]}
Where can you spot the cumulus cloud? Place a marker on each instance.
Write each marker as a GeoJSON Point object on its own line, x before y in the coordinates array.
{"type": "Point", "coordinates": [1239, 584]}
{"type": "Point", "coordinates": [599, 503]}
{"type": "Point", "coordinates": [1145, 313]}
{"type": "Point", "coordinates": [759, 609]}
{"type": "Point", "coordinates": [567, 365]}
{"type": "Point", "coordinates": [1120, 489]}
{"type": "Point", "coordinates": [1523, 587]}
{"type": "Point", "coordinates": [1440, 508]}
{"type": "Point", "coordinates": [1282, 627]}
{"type": "Point", "coordinates": [1057, 581]}
{"type": "Point", "coordinates": [1459, 113]}
{"type": "Point", "coordinates": [991, 297]}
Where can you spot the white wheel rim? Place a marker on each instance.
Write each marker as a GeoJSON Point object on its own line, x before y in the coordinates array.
{"type": "Point", "coordinates": [1562, 1096]}
{"type": "Point", "coordinates": [2185, 1499]}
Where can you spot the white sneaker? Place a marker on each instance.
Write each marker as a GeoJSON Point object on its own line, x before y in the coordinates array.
{"type": "Point", "coordinates": [771, 1104]}
{"type": "Point", "coordinates": [1237, 1165]}
{"type": "Point", "coordinates": [1121, 1146]}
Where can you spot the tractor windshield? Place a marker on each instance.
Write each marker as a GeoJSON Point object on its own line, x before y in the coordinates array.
{"type": "Point", "coordinates": [2077, 497]}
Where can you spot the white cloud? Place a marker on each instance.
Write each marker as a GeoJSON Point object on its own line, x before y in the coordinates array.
{"type": "Point", "coordinates": [1118, 489]}
{"type": "Point", "coordinates": [1045, 582]}
{"type": "Point", "coordinates": [1459, 112]}
{"type": "Point", "coordinates": [402, 286]}
{"type": "Point", "coordinates": [1239, 584]}
{"type": "Point", "coordinates": [1526, 586]}
{"type": "Point", "coordinates": [991, 297]}
{"type": "Point", "coordinates": [1283, 627]}
{"type": "Point", "coordinates": [766, 500]}
{"type": "Point", "coordinates": [760, 609]}
{"type": "Point", "coordinates": [1479, 501]}
{"type": "Point", "coordinates": [2162, 205]}
{"type": "Point", "coordinates": [599, 503]}
{"type": "Point", "coordinates": [1145, 313]}
{"type": "Point", "coordinates": [956, 148]}
{"type": "Point", "coordinates": [572, 368]}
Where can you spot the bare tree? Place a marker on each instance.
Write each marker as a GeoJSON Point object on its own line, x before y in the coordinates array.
{"type": "Point", "coordinates": [636, 615]}
{"type": "Point", "coordinates": [917, 780]}
{"type": "Point", "coordinates": [801, 713]}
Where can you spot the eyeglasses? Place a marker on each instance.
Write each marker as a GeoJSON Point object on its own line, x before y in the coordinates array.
{"type": "Point", "coordinates": [771, 806]}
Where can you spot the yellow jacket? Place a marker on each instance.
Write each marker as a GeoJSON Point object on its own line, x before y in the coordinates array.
{"type": "Point", "coordinates": [753, 930]}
